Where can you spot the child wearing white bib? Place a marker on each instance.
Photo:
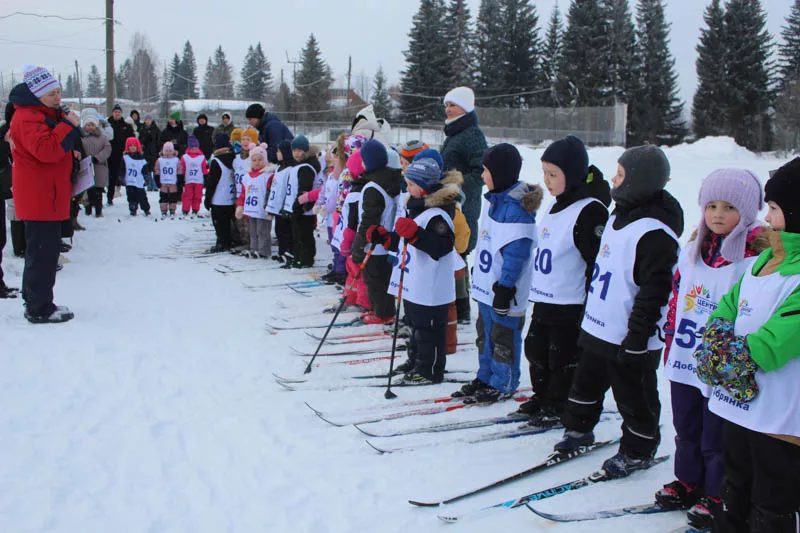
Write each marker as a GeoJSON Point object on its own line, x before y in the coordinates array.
{"type": "Point", "coordinates": [501, 277]}
{"type": "Point", "coordinates": [195, 170]}
{"type": "Point", "coordinates": [427, 233]}
{"type": "Point", "coordinates": [167, 170]}
{"type": "Point", "coordinates": [750, 356]}
{"type": "Point", "coordinates": [723, 246]}
{"type": "Point", "coordinates": [221, 192]}
{"type": "Point", "coordinates": [630, 286]}
{"type": "Point", "coordinates": [251, 205]}
{"type": "Point", "coordinates": [134, 168]}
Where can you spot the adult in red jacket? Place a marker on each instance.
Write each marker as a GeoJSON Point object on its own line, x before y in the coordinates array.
{"type": "Point", "coordinates": [42, 137]}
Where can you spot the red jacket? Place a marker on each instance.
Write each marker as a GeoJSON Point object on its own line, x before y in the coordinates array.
{"type": "Point", "coordinates": [42, 152]}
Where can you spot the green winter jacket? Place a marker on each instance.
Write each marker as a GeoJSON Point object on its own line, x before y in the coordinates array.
{"type": "Point", "coordinates": [462, 150]}
{"type": "Point", "coordinates": [775, 343]}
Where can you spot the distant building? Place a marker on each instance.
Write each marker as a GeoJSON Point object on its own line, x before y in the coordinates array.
{"type": "Point", "coordinates": [339, 99]}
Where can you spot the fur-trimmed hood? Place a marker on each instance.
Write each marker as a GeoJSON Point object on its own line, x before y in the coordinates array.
{"type": "Point", "coordinates": [449, 193]}
{"type": "Point", "coordinates": [517, 204]}
{"type": "Point", "coordinates": [529, 196]}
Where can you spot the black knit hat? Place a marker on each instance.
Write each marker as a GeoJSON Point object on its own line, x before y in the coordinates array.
{"type": "Point", "coordinates": [505, 164]}
{"type": "Point", "coordinates": [221, 140]}
{"type": "Point", "coordinates": [783, 188]}
{"type": "Point", "coordinates": [285, 148]}
{"type": "Point", "coordinates": [255, 111]}
{"type": "Point", "coordinates": [569, 154]}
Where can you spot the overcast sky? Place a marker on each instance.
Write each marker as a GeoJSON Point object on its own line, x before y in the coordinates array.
{"type": "Point", "coordinates": [373, 32]}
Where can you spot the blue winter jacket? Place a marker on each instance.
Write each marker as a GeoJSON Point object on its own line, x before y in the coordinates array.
{"type": "Point", "coordinates": [272, 131]}
{"type": "Point", "coordinates": [518, 205]}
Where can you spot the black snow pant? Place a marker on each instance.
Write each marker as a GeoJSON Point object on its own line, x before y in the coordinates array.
{"type": "Point", "coordinates": [114, 168]}
{"type": "Point", "coordinates": [635, 389]}
{"type": "Point", "coordinates": [94, 201]}
{"type": "Point", "coordinates": [18, 240]}
{"type": "Point", "coordinates": [3, 238]}
{"type": "Point", "coordinates": [41, 260]}
{"type": "Point", "coordinates": [552, 352]}
{"type": "Point", "coordinates": [222, 217]}
{"type": "Point", "coordinates": [761, 485]}
{"type": "Point", "coordinates": [427, 346]}
{"type": "Point", "coordinates": [137, 197]}
{"type": "Point", "coordinates": [305, 245]}
{"type": "Point", "coordinates": [377, 274]}
{"type": "Point", "coordinates": [283, 232]}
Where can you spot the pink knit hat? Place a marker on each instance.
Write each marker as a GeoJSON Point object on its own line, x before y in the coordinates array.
{"type": "Point", "coordinates": [260, 149]}
{"type": "Point", "coordinates": [742, 190]}
{"type": "Point", "coordinates": [168, 146]}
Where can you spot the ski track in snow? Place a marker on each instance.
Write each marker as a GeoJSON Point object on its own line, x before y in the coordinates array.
{"type": "Point", "coordinates": [155, 410]}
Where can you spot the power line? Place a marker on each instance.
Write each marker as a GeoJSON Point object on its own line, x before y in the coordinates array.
{"type": "Point", "coordinates": [39, 15]}
{"type": "Point", "coordinates": [32, 43]}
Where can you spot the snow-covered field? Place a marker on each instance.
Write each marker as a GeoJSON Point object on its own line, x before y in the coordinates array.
{"type": "Point", "coordinates": [155, 409]}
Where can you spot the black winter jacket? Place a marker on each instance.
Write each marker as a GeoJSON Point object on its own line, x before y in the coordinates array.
{"type": "Point", "coordinates": [372, 205]}
{"type": "Point", "coordinates": [224, 156]}
{"type": "Point", "coordinates": [656, 255]}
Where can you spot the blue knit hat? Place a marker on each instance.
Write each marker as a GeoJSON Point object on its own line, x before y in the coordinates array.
{"type": "Point", "coordinates": [192, 142]}
{"type": "Point", "coordinates": [569, 154]}
{"type": "Point", "coordinates": [430, 153]}
{"type": "Point", "coordinates": [300, 143]}
{"type": "Point", "coordinates": [425, 173]}
{"type": "Point", "coordinates": [374, 155]}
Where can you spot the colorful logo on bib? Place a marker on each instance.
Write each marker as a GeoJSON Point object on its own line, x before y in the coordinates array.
{"type": "Point", "coordinates": [605, 251]}
{"type": "Point", "coordinates": [744, 308]}
{"type": "Point", "coordinates": [249, 189]}
{"type": "Point", "coordinates": [485, 235]}
{"type": "Point", "coordinates": [700, 301]}
{"type": "Point", "coordinates": [545, 234]}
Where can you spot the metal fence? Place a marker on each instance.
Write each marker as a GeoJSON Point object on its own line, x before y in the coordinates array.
{"type": "Point", "coordinates": [597, 126]}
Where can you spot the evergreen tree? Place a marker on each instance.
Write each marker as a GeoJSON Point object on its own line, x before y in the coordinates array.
{"type": "Point", "coordinates": [177, 85]}
{"type": "Point", "coordinates": [522, 49]}
{"type": "Point", "coordinates": [584, 58]}
{"type": "Point", "coordinates": [489, 49]}
{"type": "Point", "coordinates": [551, 57]}
{"type": "Point", "coordinates": [381, 102]}
{"type": "Point", "coordinates": [313, 82]}
{"type": "Point", "coordinates": [218, 80]}
{"type": "Point", "coordinates": [166, 83]}
{"type": "Point", "coordinates": [256, 75]}
{"type": "Point", "coordinates": [69, 88]}
{"type": "Point", "coordinates": [460, 38]}
{"type": "Point", "coordinates": [283, 98]}
{"type": "Point", "coordinates": [94, 83]}
{"type": "Point", "coordinates": [708, 107]}
{"type": "Point", "coordinates": [122, 79]}
{"type": "Point", "coordinates": [654, 114]}
{"type": "Point", "coordinates": [622, 57]}
{"type": "Point", "coordinates": [787, 116]}
{"type": "Point", "coordinates": [188, 72]}
{"type": "Point", "coordinates": [427, 64]}
{"type": "Point", "coordinates": [789, 50]}
{"type": "Point", "coordinates": [749, 92]}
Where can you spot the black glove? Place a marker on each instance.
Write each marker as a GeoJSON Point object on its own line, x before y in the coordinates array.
{"type": "Point", "coordinates": [502, 298]}
{"type": "Point", "coordinates": [634, 352]}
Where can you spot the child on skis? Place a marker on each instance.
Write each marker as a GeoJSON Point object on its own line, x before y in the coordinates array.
{"type": "Point", "coordinates": [722, 247]}
{"type": "Point", "coordinates": [749, 355]}
{"type": "Point", "coordinates": [501, 280]}
{"type": "Point", "coordinates": [167, 169]}
{"type": "Point", "coordinates": [195, 170]}
{"type": "Point", "coordinates": [377, 208]}
{"type": "Point", "coordinates": [221, 192]}
{"type": "Point", "coordinates": [630, 285]}
{"type": "Point", "coordinates": [568, 243]}
{"type": "Point", "coordinates": [358, 295]}
{"type": "Point", "coordinates": [134, 167]}
{"type": "Point", "coordinates": [252, 205]}
{"type": "Point", "coordinates": [426, 234]}
{"type": "Point", "coordinates": [303, 219]}
{"type": "Point", "coordinates": [276, 201]}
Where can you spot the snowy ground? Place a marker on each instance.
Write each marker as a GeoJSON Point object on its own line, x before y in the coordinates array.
{"type": "Point", "coordinates": [155, 410]}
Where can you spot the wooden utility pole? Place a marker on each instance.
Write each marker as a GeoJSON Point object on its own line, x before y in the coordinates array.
{"type": "Point", "coordinates": [78, 86]}
{"type": "Point", "coordinates": [349, 72]}
{"type": "Point", "coordinates": [109, 56]}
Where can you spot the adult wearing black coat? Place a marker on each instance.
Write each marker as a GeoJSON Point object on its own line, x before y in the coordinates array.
{"type": "Point", "coordinates": [150, 136]}
{"type": "Point", "coordinates": [204, 134]}
{"type": "Point", "coordinates": [122, 131]}
{"type": "Point", "coordinates": [270, 129]}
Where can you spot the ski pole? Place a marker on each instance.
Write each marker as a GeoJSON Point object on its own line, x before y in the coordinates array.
{"type": "Point", "coordinates": [341, 306]}
{"type": "Point", "coordinates": [389, 394]}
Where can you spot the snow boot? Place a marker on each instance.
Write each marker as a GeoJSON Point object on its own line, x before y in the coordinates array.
{"type": "Point", "coordinates": [61, 314]}
{"type": "Point", "coordinates": [545, 418]}
{"type": "Point", "coordinates": [572, 440]}
{"type": "Point", "coordinates": [404, 368]}
{"type": "Point", "coordinates": [469, 389]}
{"type": "Point", "coordinates": [7, 292]}
{"type": "Point", "coordinates": [701, 515]}
{"type": "Point", "coordinates": [487, 395]}
{"type": "Point", "coordinates": [678, 495]}
{"type": "Point", "coordinates": [623, 465]}
{"type": "Point", "coordinates": [415, 378]}
{"type": "Point", "coordinates": [530, 407]}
